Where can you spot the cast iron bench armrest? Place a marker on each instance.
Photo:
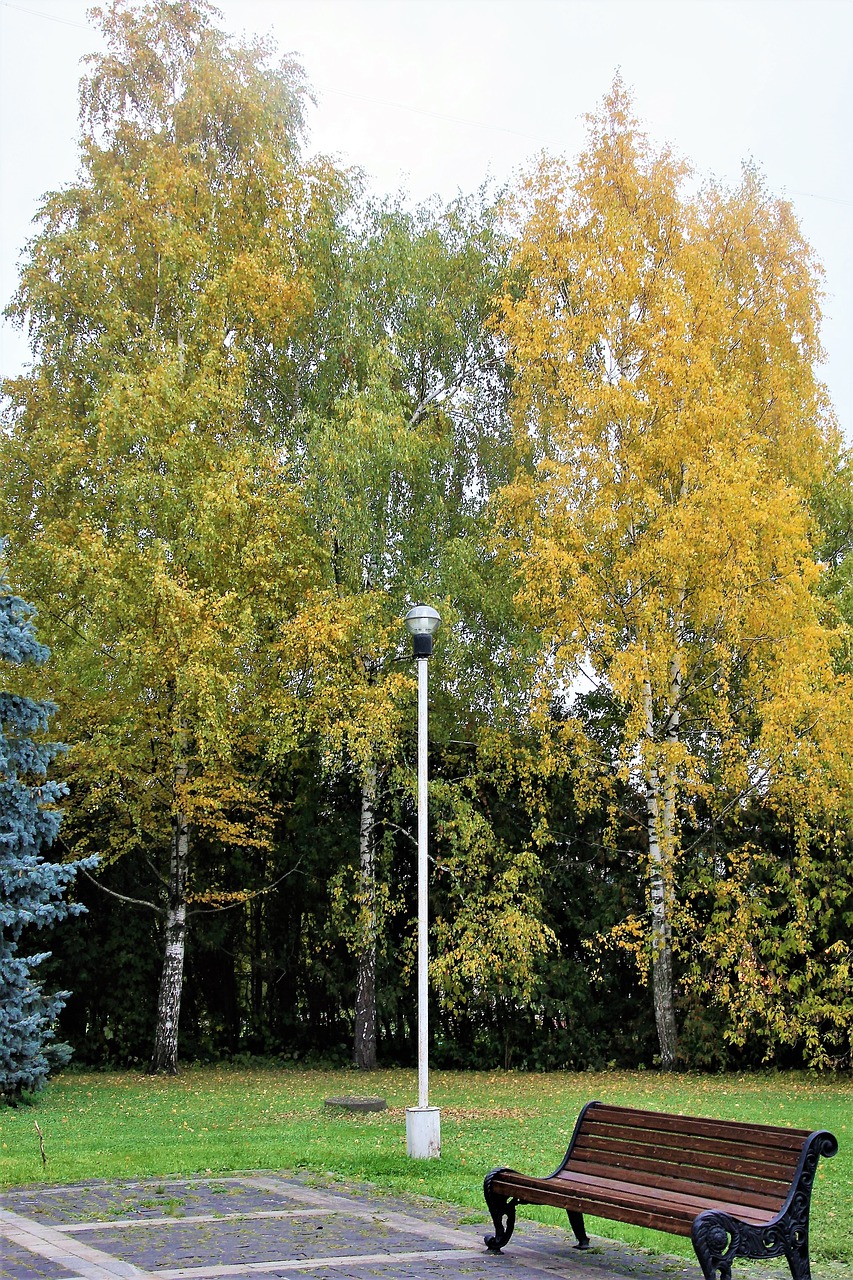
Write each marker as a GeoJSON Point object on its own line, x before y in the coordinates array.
{"type": "Point", "coordinates": [738, 1190]}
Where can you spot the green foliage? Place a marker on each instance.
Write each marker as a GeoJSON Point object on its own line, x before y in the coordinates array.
{"type": "Point", "coordinates": [489, 940]}
{"type": "Point", "coordinates": [772, 928]}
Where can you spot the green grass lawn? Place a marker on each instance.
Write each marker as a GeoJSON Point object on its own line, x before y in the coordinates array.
{"type": "Point", "coordinates": [222, 1119]}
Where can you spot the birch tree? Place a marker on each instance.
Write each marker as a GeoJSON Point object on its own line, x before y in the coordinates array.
{"type": "Point", "coordinates": [664, 347]}
{"type": "Point", "coordinates": [145, 499]}
{"type": "Point", "coordinates": [397, 443]}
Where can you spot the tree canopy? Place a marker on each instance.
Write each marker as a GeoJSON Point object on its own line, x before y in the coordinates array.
{"type": "Point", "coordinates": [265, 414]}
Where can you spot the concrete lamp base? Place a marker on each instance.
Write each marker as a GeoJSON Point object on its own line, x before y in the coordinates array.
{"type": "Point", "coordinates": [423, 1133]}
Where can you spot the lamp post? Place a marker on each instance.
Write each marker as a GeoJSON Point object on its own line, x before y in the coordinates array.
{"type": "Point", "coordinates": [423, 1125]}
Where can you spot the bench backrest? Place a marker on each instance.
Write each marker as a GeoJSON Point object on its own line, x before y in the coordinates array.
{"type": "Point", "coordinates": [722, 1159]}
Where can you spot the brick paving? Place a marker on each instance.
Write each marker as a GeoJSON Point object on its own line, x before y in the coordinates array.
{"type": "Point", "coordinates": [267, 1225]}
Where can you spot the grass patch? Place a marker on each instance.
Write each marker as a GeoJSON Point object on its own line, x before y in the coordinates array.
{"type": "Point", "coordinates": [219, 1119]}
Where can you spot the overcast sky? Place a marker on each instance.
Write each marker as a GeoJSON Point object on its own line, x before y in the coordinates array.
{"type": "Point", "coordinates": [437, 95]}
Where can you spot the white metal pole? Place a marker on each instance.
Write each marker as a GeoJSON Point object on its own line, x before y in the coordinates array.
{"type": "Point", "coordinates": [423, 1122]}
{"type": "Point", "coordinates": [423, 891]}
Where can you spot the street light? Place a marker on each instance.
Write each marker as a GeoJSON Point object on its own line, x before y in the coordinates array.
{"type": "Point", "coordinates": [423, 1122]}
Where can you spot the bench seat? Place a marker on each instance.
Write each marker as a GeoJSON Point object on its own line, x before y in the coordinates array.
{"type": "Point", "coordinates": [738, 1190]}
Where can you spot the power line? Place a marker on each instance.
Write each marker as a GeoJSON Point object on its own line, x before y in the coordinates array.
{"type": "Point", "coordinates": [496, 128]}
{"type": "Point", "coordinates": [813, 195]}
{"type": "Point", "coordinates": [434, 115]}
{"type": "Point", "coordinates": [50, 17]}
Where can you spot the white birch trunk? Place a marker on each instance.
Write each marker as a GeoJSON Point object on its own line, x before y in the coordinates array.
{"type": "Point", "coordinates": [660, 813]}
{"type": "Point", "coordinates": [165, 1056]}
{"type": "Point", "coordinates": [364, 1043]}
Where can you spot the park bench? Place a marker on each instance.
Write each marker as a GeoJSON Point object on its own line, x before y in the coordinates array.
{"type": "Point", "coordinates": [738, 1190]}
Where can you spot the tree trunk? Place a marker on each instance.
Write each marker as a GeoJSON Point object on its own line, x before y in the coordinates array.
{"type": "Point", "coordinates": [660, 888]}
{"type": "Point", "coordinates": [364, 1046]}
{"type": "Point", "coordinates": [165, 1057]}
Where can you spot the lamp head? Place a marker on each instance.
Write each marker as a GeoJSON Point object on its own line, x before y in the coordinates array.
{"type": "Point", "coordinates": [422, 622]}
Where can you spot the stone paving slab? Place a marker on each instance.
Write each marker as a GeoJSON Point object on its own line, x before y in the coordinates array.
{"type": "Point", "coordinates": [151, 1198]}
{"type": "Point", "coordinates": [284, 1227]}
{"type": "Point", "coordinates": [17, 1261]}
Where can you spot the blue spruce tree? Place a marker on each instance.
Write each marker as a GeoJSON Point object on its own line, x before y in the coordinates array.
{"type": "Point", "coordinates": [31, 889]}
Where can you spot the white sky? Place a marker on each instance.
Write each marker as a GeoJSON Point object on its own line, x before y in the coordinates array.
{"type": "Point", "coordinates": [436, 95]}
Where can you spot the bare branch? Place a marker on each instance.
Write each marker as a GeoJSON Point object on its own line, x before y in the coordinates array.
{"type": "Point", "coordinates": [123, 897]}
{"type": "Point", "coordinates": [228, 906]}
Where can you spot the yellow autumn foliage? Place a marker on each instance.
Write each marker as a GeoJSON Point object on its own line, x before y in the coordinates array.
{"type": "Point", "coordinates": [664, 341]}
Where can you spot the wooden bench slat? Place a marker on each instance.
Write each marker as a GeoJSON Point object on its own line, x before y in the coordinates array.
{"type": "Point", "coordinates": [756, 1173]}
{"type": "Point", "coordinates": [602, 1199]}
{"type": "Point", "coordinates": [585, 1201]}
{"type": "Point", "coordinates": [669, 1140]}
{"type": "Point", "coordinates": [692, 1195]}
{"type": "Point", "coordinates": [661, 1121]}
{"type": "Point", "coordinates": [685, 1123]}
{"type": "Point", "coordinates": [715, 1164]}
{"type": "Point", "coordinates": [772, 1197]}
{"type": "Point", "coordinates": [606, 1190]}
{"type": "Point", "coordinates": [673, 1157]}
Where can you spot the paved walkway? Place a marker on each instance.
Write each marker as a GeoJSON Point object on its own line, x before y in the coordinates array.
{"type": "Point", "coordinates": [282, 1226]}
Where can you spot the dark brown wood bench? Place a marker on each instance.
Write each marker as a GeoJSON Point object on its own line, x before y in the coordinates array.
{"type": "Point", "coordinates": [738, 1190]}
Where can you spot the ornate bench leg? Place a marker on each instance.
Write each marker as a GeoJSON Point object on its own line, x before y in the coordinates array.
{"type": "Point", "coordinates": [718, 1239]}
{"type": "Point", "coordinates": [576, 1224]}
{"type": "Point", "coordinates": [797, 1253]}
{"type": "Point", "coordinates": [714, 1246]}
{"type": "Point", "coordinates": [502, 1209]}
